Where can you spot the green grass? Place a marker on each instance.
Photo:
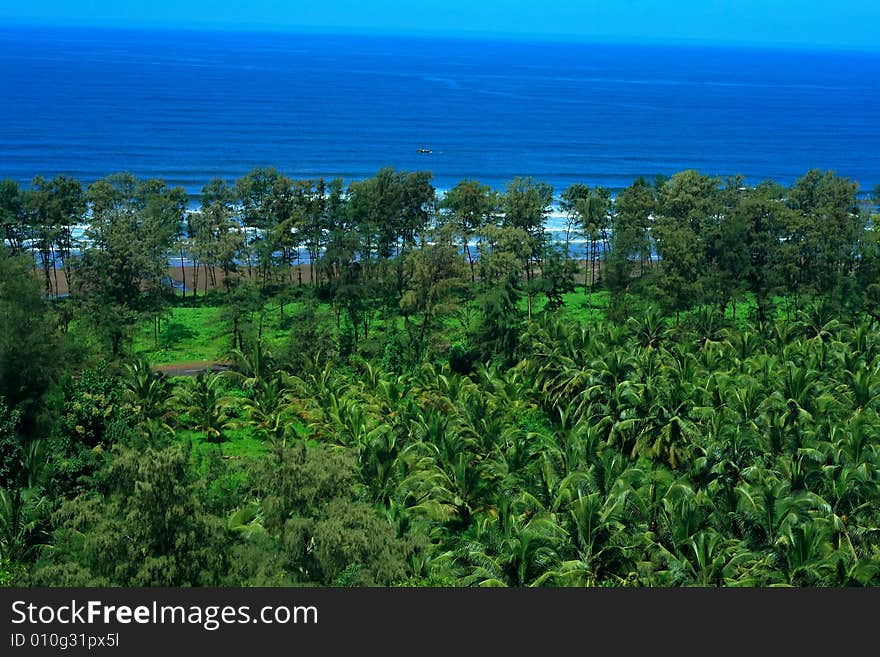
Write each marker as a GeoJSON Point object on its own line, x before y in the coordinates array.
{"type": "Point", "coordinates": [239, 444]}
{"type": "Point", "coordinates": [578, 305]}
{"type": "Point", "coordinates": [189, 334]}
{"type": "Point", "coordinates": [240, 450]}
{"type": "Point", "coordinates": [276, 332]}
{"type": "Point", "coordinates": [584, 308]}
{"type": "Point", "coordinates": [201, 333]}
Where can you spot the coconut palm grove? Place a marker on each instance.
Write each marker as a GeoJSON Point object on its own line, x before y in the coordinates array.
{"type": "Point", "coordinates": [318, 382]}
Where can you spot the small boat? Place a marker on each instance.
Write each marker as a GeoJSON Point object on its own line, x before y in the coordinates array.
{"type": "Point", "coordinates": [425, 150]}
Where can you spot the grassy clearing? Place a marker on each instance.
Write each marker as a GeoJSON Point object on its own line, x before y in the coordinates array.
{"type": "Point", "coordinates": [237, 453]}
{"type": "Point", "coordinates": [188, 334]}
{"type": "Point", "coordinates": [583, 307]}
{"type": "Point", "coordinates": [239, 444]}
{"type": "Point", "coordinates": [202, 333]}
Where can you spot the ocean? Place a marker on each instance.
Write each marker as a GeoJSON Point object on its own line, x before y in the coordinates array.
{"type": "Point", "coordinates": [188, 106]}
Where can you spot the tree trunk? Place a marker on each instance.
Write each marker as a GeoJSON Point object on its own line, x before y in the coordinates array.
{"type": "Point", "coordinates": [195, 270]}
{"type": "Point", "coordinates": [587, 272]}
{"type": "Point", "coordinates": [594, 255]}
{"type": "Point", "coordinates": [55, 274]}
{"type": "Point", "coordinates": [182, 275]}
{"type": "Point", "coordinates": [66, 268]}
{"type": "Point", "coordinates": [422, 331]}
{"type": "Point", "coordinates": [45, 257]}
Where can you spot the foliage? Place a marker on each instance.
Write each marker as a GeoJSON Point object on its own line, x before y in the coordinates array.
{"type": "Point", "coordinates": [30, 347]}
{"type": "Point", "coordinates": [146, 531]}
{"type": "Point", "coordinates": [435, 402]}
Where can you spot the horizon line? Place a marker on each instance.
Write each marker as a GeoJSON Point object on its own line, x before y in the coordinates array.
{"type": "Point", "coordinates": [463, 35]}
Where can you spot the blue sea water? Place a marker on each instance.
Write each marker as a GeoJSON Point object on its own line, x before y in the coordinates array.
{"type": "Point", "coordinates": [187, 106]}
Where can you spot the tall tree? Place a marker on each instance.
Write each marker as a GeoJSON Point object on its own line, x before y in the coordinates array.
{"type": "Point", "coordinates": [471, 206]}
{"type": "Point", "coordinates": [334, 228]}
{"type": "Point", "coordinates": [588, 211]}
{"type": "Point", "coordinates": [526, 205]}
{"type": "Point", "coordinates": [311, 198]}
{"type": "Point", "coordinates": [121, 276]}
{"type": "Point", "coordinates": [758, 228]}
{"type": "Point", "coordinates": [54, 207]}
{"type": "Point", "coordinates": [501, 264]}
{"type": "Point", "coordinates": [376, 205]}
{"type": "Point", "coordinates": [261, 195]}
{"type": "Point", "coordinates": [418, 199]}
{"type": "Point", "coordinates": [573, 205]}
{"type": "Point", "coordinates": [630, 240]}
{"type": "Point", "coordinates": [829, 230]}
{"type": "Point", "coordinates": [216, 236]}
{"type": "Point", "coordinates": [12, 215]}
{"type": "Point", "coordinates": [435, 275]}
{"type": "Point", "coordinates": [557, 276]}
{"type": "Point", "coordinates": [686, 232]}
{"type": "Point", "coordinates": [30, 356]}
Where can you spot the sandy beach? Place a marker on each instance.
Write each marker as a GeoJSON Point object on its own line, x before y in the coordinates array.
{"type": "Point", "coordinates": [207, 280]}
{"type": "Point", "coordinates": [213, 277]}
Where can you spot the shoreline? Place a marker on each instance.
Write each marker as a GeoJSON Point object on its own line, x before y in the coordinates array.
{"type": "Point", "coordinates": [214, 279]}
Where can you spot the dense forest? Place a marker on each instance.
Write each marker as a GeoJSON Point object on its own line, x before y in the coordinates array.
{"type": "Point", "coordinates": [303, 382]}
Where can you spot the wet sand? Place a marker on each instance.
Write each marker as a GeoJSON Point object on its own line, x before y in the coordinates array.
{"type": "Point", "coordinates": [206, 280]}
{"type": "Point", "coordinates": [212, 278]}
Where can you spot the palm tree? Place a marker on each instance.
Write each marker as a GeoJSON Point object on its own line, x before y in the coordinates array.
{"type": "Point", "coordinates": [516, 547]}
{"type": "Point", "coordinates": [861, 387]}
{"type": "Point", "coordinates": [818, 321]}
{"type": "Point", "coordinates": [670, 433]}
{"type": "Point", "coordinates": [22, 514]}
{"type": "Point", "coordinates": [270, 411]}
{"type": "Point", "coordinates": [707, 559]}
{"type": "Point", "coordinates": [768, 508]}
{"type": "Point", "coordinates": [600, 540]}
{"type": "Point", "coordinates": [24, 507]}
{"type": "Point", "coordinates": [745, 343]}
{"type": "Point", "coordinates": [708, 327]}
{"type": "Point", "coordinates": [454, 491]}
{"type": "Point", "coordinates": [851, 570]}
{"type": "Point", "coordinates": [203, 401]}
{"type": "Point", "coordinates": [147, 393]}
{"type": "Point", "coordinates": [806, 550]}
{"type": "Point", "coordinates": [649, 328]}
{"type": "Point", "coordinates": [793, 401]}
{"type": "Point", "coordinates": [249, 368]}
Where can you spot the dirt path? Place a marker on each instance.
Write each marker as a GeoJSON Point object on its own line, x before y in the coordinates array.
{"type": "Point", "coordinates": [193, 368]}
